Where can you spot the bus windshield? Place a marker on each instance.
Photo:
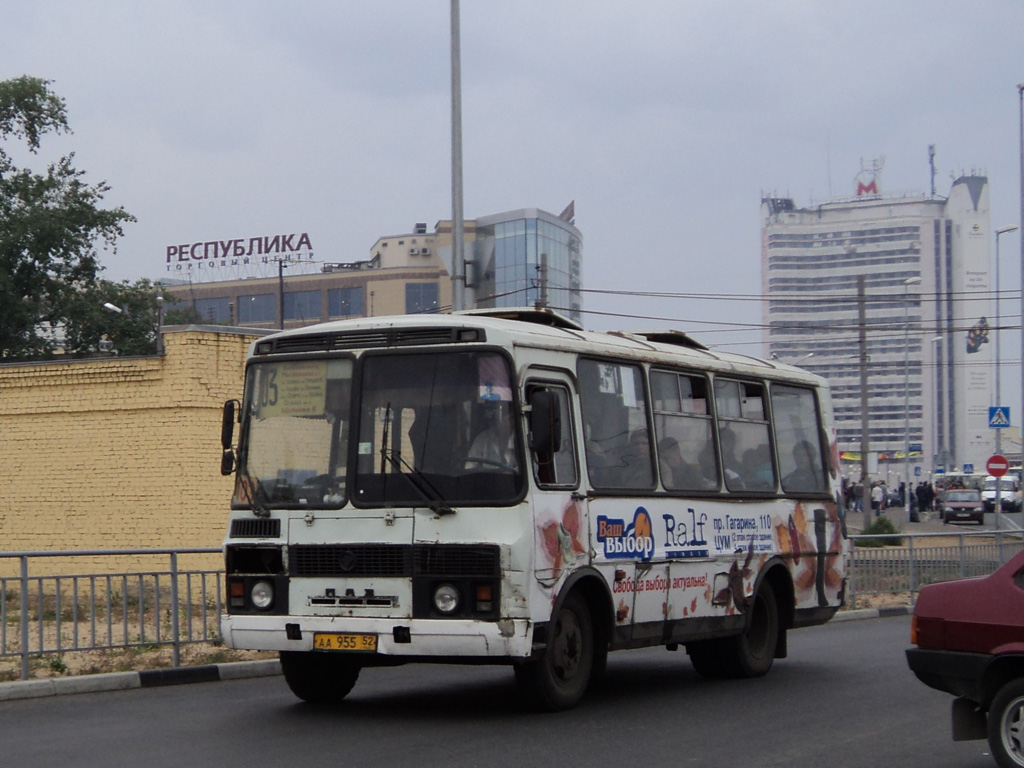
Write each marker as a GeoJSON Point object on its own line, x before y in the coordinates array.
{"type": "Point", "coordinates": [432, 430]}
{"type": "Point", "coordinates": [437, 429]}
{"type": "Point", "coordinates": [296, 427]}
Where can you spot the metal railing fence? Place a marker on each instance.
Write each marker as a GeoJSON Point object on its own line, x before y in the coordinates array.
{"type": "Point", "coordinates": [924, 558]}
{"type": "Point", "coordinates": [168, 605]}
{"type": "Point", "coordinates": [163, 605]}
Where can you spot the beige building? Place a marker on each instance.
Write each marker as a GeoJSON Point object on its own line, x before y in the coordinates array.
{"type": "Point", "coordinates": [119, 453]}
{"type": "Point", "coordinates": [404, 275]}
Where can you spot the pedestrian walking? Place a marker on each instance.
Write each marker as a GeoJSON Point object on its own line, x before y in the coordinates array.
{"type": "Point", "coordinates": [878, 498]}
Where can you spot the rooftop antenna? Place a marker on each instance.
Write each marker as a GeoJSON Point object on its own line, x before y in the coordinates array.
{"type": "Point", "coordinates": [828, 161]}
{"type": "Point", "coordinates": [931, 164]}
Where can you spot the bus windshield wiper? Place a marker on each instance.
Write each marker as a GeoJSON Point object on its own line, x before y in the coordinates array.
{"type": "Point", "coordinates": [416, 478]}
{"type": "Point", "coordinates": [419, 481]}
{"type": "Point", "coordinates": [259, 496]}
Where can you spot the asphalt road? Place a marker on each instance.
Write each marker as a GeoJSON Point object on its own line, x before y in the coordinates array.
{"type": "Point", "coordinates": [844, 697]}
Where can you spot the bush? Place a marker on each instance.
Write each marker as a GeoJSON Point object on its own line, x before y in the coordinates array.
{"type": "Point", "coordinates": [882, 526]}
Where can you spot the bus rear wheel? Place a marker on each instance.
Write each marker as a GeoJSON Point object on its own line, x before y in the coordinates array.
{"type": "Point", "coordinates": [559, 678]}
{"type": "Point", "coordinates": [319, 678]}
{"type": "Point", "coordinates": [749, 654]}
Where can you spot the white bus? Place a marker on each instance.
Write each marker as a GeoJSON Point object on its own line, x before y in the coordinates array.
{"type": "Point", "coordinates": [504, 487]}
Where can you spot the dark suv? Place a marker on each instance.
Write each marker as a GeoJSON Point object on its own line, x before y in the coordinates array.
{"type": "Point", "coordinates": [970, 643]}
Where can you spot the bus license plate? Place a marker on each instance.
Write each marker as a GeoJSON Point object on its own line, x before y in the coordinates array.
{"type": "Point", "coordinates": [333, 641]}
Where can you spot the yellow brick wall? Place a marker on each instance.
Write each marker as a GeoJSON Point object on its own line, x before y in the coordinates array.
{"type": "Point", "coordinates": [118, 453]}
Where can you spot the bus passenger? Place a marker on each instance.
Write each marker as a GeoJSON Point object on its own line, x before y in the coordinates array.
{"type": "Point", "coordinates": [757, 469]}
{"type": "Point", "coordinates": [676, 473]}
{"type": "Point", "coordinates": [805, 477]}
{"type": "Point", "coordinates": [637, 461]}
{"type": "Point", "coordinates": [495, 444]}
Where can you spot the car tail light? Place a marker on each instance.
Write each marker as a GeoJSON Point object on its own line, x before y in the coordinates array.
{"type": "Point", "coordinates": [913, 630]}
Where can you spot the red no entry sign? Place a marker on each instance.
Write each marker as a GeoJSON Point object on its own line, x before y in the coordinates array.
{"type": "Point", "coordinates": [997, 466]}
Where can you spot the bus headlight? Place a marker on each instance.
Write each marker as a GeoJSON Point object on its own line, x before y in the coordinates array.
{"type": "Point", "coordinates": [262, 595]}
{"type": "Point", "coordinates": [446, 599]}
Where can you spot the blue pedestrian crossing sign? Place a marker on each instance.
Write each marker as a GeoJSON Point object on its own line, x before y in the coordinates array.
{"type": "Point", "coordinates": [998, 416]}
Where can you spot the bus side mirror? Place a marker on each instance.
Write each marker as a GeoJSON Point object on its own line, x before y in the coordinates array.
{"type": "Point", "coordinates": [227, 424]}
{"type": "Point", "coordinates": [227, 436]}
{"type": "Point", "coordinates": [545, 422]}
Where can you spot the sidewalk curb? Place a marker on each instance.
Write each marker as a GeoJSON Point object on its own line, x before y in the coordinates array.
{"type": "Point", "coordinates": [148, 678]}
{"type": "Point", "coordinates": [872, 613]}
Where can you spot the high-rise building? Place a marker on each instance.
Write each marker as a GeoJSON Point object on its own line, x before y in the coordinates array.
{"type": "Point", "coordinates": [924, 262]}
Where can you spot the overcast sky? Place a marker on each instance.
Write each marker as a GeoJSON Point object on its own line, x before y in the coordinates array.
{"type": "Point", "coordinates": [665, 121]}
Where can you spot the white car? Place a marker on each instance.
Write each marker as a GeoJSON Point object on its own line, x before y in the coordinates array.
{"type": "Point", "coordinates": [1010, 493]}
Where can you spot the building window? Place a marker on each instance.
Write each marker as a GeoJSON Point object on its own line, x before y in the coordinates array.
{"type": "Point", "coordinates": [257, 309]}
{"type": "Point", "coordinates": [302, 305]}
{"type": "Point", "coordinates": [214, 310]}
{"type": "Point", "coordinates": [345, 302]}
{"type": "Point", "coordinates": [421, 298]}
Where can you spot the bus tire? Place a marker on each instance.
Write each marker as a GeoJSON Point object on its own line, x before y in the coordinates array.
{"type": "Point", "coordinates": [1006, 725]}
{"type": "Point", "coordinates": [558, 679]}
{"type": "Point", "coordinates": [753, 651]}
{"type": "Point", "coordinates": [748, 654]}
{"type": "Point", "coordinates": [319, 678]}
{"type": "Point", "coordinates": [706, 658]}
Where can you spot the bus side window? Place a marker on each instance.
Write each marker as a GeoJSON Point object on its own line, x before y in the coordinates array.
{"type": "Point", "coordinates": [682, 423]}
{"type": "Point", "coordinates": [614, 410]}
{"type": "Point", "coordinates": [558, 468]}
{"type": "Point", "coordinates": [795, 416]}
{"type": "Point", "coordinates": [743, 436]}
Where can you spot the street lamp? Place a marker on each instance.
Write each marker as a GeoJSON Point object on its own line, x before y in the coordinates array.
{"type": "Point", "coordinates": [109, 345]}
{"type": "Point", "coordinates": [906, 391]}
{"type": "Point", "coordinates": [999, 397]}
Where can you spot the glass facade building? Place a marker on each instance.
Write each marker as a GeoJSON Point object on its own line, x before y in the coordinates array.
{"type": "Point", "coordinates": [508, 254]}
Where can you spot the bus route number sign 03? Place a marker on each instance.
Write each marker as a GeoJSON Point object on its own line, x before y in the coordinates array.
{"type": "Point", "coordinates": [997, 466]}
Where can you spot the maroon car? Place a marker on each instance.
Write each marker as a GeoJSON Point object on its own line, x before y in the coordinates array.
{"type": "Point", "coordinates": [970, 643]}
{"type": "Point", "coordinates": [963, 504]}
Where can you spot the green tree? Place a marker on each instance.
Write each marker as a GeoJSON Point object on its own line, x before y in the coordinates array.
{"type": "Point", "coordinates": [123, 314]}
{"type": "Point", "coordinates": [50, 224]}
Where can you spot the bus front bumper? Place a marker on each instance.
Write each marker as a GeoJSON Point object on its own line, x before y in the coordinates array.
{"type": "Point", "coordinates": [506, 638]}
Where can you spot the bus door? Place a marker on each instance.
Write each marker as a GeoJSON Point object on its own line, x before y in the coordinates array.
{"type": "Point", "coordinates": [560, 510]}
{"type": "Point", "coordinates": [620, 469]}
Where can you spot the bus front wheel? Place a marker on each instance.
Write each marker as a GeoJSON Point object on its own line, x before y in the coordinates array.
{"type": "Point", "coordinates": [319, 678]}
{"type": "Point", "coordinates": [559, 678]}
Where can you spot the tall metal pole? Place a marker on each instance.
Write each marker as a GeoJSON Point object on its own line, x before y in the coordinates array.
{"type": "Point", "coordinates": [160, 324]}
{"type": "Point", "coordinates": [458, 246]}
{"type": "Point", "coordinates": [999, 396]}
{"type": "Point", "coordinates": [864, 439]}
{"type": "Point", "coordinates": [906, 392]}
{"type": "Point", "coordinates": [542, 283]}
{"type": "Point", "coordinates": [1020, 419]}
{"type": "Point", "coordinates": [936, 408]}
{"type": "Point", "coordinates": [280, 291]}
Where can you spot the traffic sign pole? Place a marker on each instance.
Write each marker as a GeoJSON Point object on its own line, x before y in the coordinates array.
{"type": "Point", "coordinates": [998, 466]}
